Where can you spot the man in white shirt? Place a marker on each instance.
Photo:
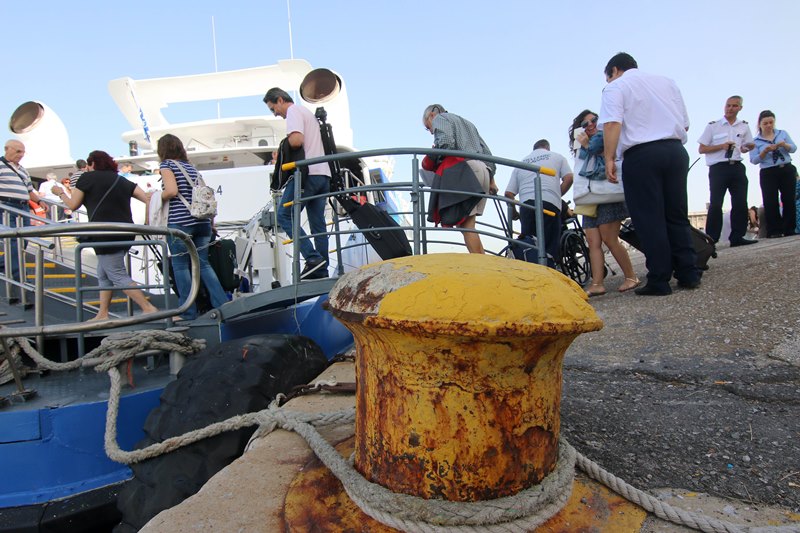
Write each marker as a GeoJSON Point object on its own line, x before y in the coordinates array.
{"type": "Point", "coordinates": [523, 182]}
{"type": "Point", "coordinates": [46, 188]}
{"type": "Point", "coordinates": [644, 122]}
{"type": "Point", "coordinates": [302, 130]}
{"type": "Point", "coordinates": [723, 142]}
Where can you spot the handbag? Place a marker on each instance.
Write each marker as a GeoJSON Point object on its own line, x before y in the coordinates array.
{"type": "Point", "coordinates": [587, 191]}
{"type": "Point", "coordinates": [589, 185]}
{"type": "Point", "coordinates": [587, 210]}
{"type": "Point", "coordinates": [204, 203]}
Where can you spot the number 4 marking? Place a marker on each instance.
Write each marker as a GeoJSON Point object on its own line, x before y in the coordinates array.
{"type": "Point", "coordinates": [219, 189]}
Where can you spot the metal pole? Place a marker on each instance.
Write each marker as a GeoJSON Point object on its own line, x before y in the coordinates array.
{"type": "Point", "coordinates": [539, 214]}
{"type": "Point", "coordinates": [296, 207]}
{"type": "Point", "coordinates": [128, 301]}
{"type": "Point", "coordinates": [415, 203]}
{"type": "Point", "coordinates": [38, 307]}
{"type": "Point", "coordinates": [7, 254]}
{"type": "Point", "coordinates": [21, 260]}
{"type": "Point", "coordinates": [79, 300]}
{"type": "Point", "coordinates": [338, 237]}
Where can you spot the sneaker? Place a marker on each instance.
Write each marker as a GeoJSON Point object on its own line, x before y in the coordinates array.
{"type": "Point", "coordinates": [315, 270]}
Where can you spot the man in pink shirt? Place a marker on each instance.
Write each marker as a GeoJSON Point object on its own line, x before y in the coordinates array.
{"type": "Point", "coordinates": [302, 130]}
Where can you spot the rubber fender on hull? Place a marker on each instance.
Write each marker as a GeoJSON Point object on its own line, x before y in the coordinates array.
{"type": "Point", "coordinates": [235, 377]}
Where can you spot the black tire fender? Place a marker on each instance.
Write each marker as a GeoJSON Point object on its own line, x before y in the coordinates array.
{"type": "Point", "coordinates": [232, 378]}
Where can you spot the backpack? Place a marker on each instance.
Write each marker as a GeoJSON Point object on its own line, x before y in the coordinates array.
{"type": "Point", "coordinates": [204, 204]}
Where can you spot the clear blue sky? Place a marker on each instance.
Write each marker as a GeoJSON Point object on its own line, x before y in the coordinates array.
{"type": "Point", "coordinates": [520, 70]}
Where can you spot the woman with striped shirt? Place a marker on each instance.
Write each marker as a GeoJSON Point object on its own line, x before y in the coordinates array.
{"type": "Point", "coordinates": [175, 169]}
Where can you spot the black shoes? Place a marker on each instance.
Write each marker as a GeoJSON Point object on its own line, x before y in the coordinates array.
{"type": "Point", "coordinates": [688, 284]}
{"type": "Point", "coordinates": [315, 270]}
{"type": "Point", "coordinates": [742, 242]}
{"type": "Point", "coordinates": [649, 290]}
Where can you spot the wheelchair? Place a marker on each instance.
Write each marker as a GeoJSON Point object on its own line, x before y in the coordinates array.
{"type": "Point", "coordinates": [574, 251]}
{"type": "Point", "coordinates": [573, 248]}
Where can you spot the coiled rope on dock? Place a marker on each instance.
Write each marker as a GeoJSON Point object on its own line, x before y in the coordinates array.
{"type": "Point", "coordinates": [519, 513]}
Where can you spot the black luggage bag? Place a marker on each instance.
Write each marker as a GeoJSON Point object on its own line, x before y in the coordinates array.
{"type": "Point", "coordinates": [389, 244]}
{"type": "Point", "coordinates": [704, 246]}
{"type": "Point", "coordinates": [525, 253]}
{"type": "Point", "coordinates": [222, 258]}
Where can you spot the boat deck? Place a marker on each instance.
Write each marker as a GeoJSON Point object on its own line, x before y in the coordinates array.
{"type": "Point", "coordinates": [61, 389]}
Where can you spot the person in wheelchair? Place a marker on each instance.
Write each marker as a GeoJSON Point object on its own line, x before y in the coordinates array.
{"type": "Point", "coordinates": [523, 182]}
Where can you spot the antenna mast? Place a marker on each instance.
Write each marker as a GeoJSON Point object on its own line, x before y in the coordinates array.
{"type": "Point", "coordinates": [214, 42]}
{"type": "Point", "coordinates": [289, 17]}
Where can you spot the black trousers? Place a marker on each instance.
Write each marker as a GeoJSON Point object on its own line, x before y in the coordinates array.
{"type": "Point", "coordinates": [655, 192]}
{"type": "Point", "coordinates": [727, 177]}
{"type": "Point", "coordinates": [552, 226]}
{"type": "Point", "coordinates": [775, 180]}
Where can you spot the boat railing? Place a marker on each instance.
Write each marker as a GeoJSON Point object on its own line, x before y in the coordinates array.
{"type": "Point", "coordinates": [417, 191]}
{"type": "Point", "coordinates": [60, 253]}
{"type": "Point", "coordinates": [42, 237]}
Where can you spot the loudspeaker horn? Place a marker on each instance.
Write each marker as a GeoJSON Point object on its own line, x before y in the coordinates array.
{"type": "Point", "coordinates": [319, 86]}
{"type": "Point", "coordinates": [44, 135]}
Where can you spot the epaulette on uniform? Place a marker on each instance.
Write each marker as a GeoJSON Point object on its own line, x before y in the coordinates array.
{"type": "Point", "coordinates": [713, 122]}
{"type": "Point", "coordinates": [744, 121]}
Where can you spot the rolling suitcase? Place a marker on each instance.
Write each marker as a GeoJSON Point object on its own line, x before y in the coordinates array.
{"type": "Point", "coordinates": [222, 258]}
{"type": "Point", "coordinates": [704, 246]}
{"type": "Point", "coordinates": [388, 244]}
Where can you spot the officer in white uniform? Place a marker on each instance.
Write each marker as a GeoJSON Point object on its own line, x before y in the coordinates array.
{"type": "Point", "coordinates": [644, 122]}
{"type": "Point", "coordinates": [723, 142]}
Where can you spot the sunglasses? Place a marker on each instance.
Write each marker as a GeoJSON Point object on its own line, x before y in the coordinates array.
{"type": "Point", "coordinates": [587, 122]}
{"type": "Point", "coordinates": [777, 154]}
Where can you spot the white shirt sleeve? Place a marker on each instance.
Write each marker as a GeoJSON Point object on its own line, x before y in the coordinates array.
{"type": "Point", "coordinates": [706, 137]}
{"type": "Point", "coordinates": [611, 106]}
{"type": "Point", "coordinates": [294, 121]}
{"type": "Point", "coordinates": [513, 183]}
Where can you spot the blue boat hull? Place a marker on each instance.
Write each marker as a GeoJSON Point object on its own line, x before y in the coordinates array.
{"type": "Point", "coordinates": [51, 454]}
{"type": "Point", "coordinates": [52, 458]}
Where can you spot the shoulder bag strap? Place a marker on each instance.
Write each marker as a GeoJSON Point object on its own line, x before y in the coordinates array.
{"type": "Point", "coordinates": [15, 171]}
{"type": "Point", "coordinates": [91, 216]}
{"type": "Point", "coordinates": [188, 179]}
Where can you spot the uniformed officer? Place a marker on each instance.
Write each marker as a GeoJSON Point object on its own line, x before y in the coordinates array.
{"type": "Point", "coordinates": [645, 121]}
{"type": "Point", "coordinates": [723, 142]}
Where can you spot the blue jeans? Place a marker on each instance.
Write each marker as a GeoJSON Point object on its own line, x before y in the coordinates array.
{"type": "Point", "coordinates": [181, 267]}
{"type": "Point", "coordinates": [12, 223]}
{"type": "Point", "coordinates": [315, 210]}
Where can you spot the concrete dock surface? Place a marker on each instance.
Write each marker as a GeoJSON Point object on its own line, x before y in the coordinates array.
{"type": "Point", "coordinates": [693, 397]}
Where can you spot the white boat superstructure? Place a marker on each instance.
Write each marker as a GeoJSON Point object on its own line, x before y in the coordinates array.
{"type": "Point", "coordinates": [234, 154]}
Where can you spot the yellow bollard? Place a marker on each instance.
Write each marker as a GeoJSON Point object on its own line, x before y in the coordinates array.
{"type": "Point", "coordinates": [458, 365]}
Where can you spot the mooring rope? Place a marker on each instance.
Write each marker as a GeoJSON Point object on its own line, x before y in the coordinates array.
{"type": "Point", "coordinates": [519, 513]}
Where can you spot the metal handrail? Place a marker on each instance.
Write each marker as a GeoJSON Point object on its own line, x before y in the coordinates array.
{"type": "Point", "coordinates": [416, 190]}
{"type": "Point", "coordinates": [104, 229]}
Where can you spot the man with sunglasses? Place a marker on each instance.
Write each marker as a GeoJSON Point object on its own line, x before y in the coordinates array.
{"type": "Point", "coordinates": [302, 131]}
{"type": "Point", "coordinates": [723, 142]}
{"type": "Point", "coordinates": [644, 122]}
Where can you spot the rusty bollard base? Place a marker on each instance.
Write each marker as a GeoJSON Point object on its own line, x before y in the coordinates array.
{"type": "Point", "coordinates": [458, 364]}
